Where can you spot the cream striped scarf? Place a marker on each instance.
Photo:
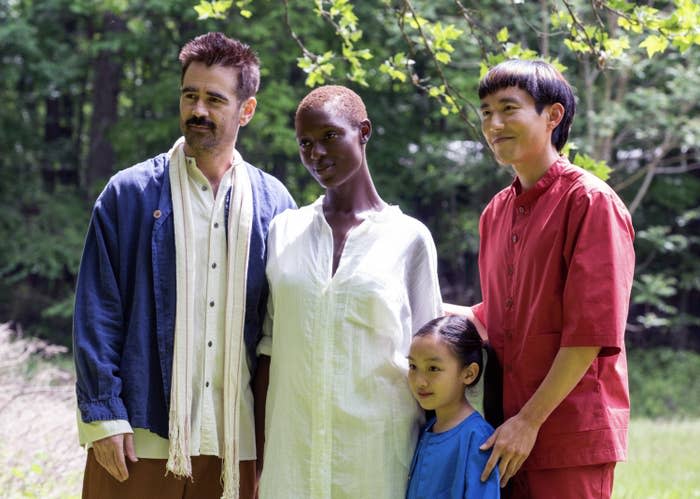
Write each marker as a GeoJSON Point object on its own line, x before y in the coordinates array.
{"type": "Point", "coordinates": [239, 228]}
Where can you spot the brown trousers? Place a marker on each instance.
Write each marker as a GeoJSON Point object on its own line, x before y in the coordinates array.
{"type": "Point", "coordinates": [147, 480]}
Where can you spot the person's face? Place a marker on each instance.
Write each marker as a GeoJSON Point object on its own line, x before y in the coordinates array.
{"type": "Point", "coordinates": [210, 111]}
{"type": "Point", "coordinates": [436, 376]}
{"type": "Point", "coordinates": [330, 147]}
{"type": "Point", "coordinates": [514, 130]}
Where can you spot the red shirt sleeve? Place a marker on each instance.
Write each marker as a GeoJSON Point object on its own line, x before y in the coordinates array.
{"type": "Point", "coordinates": [600, 268]}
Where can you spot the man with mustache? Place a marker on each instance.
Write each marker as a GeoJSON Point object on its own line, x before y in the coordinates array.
{"type": "Point", "coordinates": [170, 299]}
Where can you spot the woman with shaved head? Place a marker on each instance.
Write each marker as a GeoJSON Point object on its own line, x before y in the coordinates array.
{"type": "Point", "coordinates": [351, 279]}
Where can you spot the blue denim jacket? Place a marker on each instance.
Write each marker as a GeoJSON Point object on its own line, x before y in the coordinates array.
{"type": "Point", "coordinates": [124, 314]}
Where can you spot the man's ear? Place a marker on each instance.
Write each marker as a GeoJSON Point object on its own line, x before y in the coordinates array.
{"type": "Point", "coordinates": [365, 131]}
{"type": "Point", "coordinates": [247, 111]}
{"type": "Point", "coordinates": [555, 113]}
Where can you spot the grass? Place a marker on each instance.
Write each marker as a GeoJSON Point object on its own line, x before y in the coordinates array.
{"type": "Point", "coordinates": [662, 461]}
{"type": "Point", "coordinates": [40, 456]}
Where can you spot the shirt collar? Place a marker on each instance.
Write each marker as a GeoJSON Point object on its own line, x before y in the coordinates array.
{"type": "Point", "coordinates": [542, 185]}
{"type": "Point", "coordinates": [375, 216]}
{"type": "Point", "coordinates": [198, 177]}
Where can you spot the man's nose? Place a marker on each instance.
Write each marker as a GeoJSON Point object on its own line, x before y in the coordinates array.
{"type": "Point", "coordinates": [199, 109]}
{"type": "Point", "coordinates": [496, 121]}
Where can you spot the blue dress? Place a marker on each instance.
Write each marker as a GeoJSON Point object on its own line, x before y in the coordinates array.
{"type": "Point", "coordinates": [449, 464]}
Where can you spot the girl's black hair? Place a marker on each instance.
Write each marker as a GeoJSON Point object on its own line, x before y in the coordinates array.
{"type": "Point", "coordinates": [462, 338]}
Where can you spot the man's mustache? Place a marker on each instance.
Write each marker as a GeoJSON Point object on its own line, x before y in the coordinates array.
{"type": "Point", "coordinates": [200, 122]}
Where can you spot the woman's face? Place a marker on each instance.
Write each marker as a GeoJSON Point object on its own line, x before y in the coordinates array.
{"type": "Point", "coordinates": [330, 146]}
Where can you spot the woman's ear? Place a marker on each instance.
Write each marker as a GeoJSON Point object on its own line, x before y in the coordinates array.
{"type": "Point", "coordinates": [470, 373]}
{"type": "Point", "coordinates": [365, 131]}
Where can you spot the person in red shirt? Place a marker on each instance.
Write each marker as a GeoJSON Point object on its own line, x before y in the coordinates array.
{"type": "Point", "coordinates": [556, 263]}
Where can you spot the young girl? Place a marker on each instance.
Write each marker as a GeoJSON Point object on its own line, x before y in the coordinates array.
{"type": "Point", "coordinates": [445, 357]}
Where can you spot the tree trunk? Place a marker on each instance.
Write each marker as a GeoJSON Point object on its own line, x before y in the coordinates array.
{"type": "Point", "coordinates": [105, 94]}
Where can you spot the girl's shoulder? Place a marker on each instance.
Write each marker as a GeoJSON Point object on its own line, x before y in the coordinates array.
{"type": "Point", "coordinates": [477, 424]}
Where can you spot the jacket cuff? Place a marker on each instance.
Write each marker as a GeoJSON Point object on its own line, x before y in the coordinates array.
{"type": "Point", "coordinates": [102, 410]}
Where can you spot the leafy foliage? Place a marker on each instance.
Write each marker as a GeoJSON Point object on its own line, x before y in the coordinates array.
{"type": "Point", "coordinates": [662, 383]}
{"type": "Point", "coordinates": [416, 65]}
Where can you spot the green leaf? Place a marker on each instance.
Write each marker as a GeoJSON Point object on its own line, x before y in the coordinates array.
{"type": "Point", "coordinates": [443, 57]}
{"type": "Point", "coordinates": [502, 35]}
{"type": "Point", "coordinates": [598, 168]}
{"type": "Point", "coordinates": [654, 44]}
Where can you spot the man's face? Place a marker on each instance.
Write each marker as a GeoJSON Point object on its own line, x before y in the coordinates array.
{"type": "Point", "coordinates": [210, 111]}
{"type": "Point", "coordinates": [516, 133]}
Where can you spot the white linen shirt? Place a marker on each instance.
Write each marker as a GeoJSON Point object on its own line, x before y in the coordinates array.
{"type": "Point", "coordinates": [340, 418]}
{"type": "Point", "coordinates": [211, 262]}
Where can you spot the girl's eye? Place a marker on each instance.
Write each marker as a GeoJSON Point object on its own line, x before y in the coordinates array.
{"type": "Point", "coordinates": [411, 367]}
{"type": "Point", "coordinates": [304, 144]}
{"type": "Point", "coordinates": [331, 134]}
{"type": "Point", "coordinates": [433, 369]}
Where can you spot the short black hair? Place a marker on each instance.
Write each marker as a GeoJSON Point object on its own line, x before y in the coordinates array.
{"type": "Point", "coordinates": [545, 84]}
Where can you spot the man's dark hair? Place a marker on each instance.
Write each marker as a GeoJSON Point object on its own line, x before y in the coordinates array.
{"type": "Point", "coordinates": [216, 48]}
{"type": "Point", "coordinates": [545, 84]}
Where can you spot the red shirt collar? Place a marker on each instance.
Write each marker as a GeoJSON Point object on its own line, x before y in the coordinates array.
{"type": "Point", "coordinates": [541, 186]}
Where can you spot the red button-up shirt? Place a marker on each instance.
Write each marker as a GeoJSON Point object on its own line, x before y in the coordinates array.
{"type": "Point", "coordinates": [556, 263]}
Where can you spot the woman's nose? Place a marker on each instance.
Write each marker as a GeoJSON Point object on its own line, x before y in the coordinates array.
{"type": "Point", "coordinates": [317, 151]}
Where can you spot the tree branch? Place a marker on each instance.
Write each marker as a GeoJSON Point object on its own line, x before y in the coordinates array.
{"type": "Point", "coordinates": [650, 172]}
{"type": "Point", "coordinates": [449, 90]}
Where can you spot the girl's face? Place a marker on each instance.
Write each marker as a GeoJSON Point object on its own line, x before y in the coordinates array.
{"type": "Point", "coordinates": [436, 376]}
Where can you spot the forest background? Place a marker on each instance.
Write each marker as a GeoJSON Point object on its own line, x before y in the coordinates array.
{"type": "Point", "coordinates": [88, 88]}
